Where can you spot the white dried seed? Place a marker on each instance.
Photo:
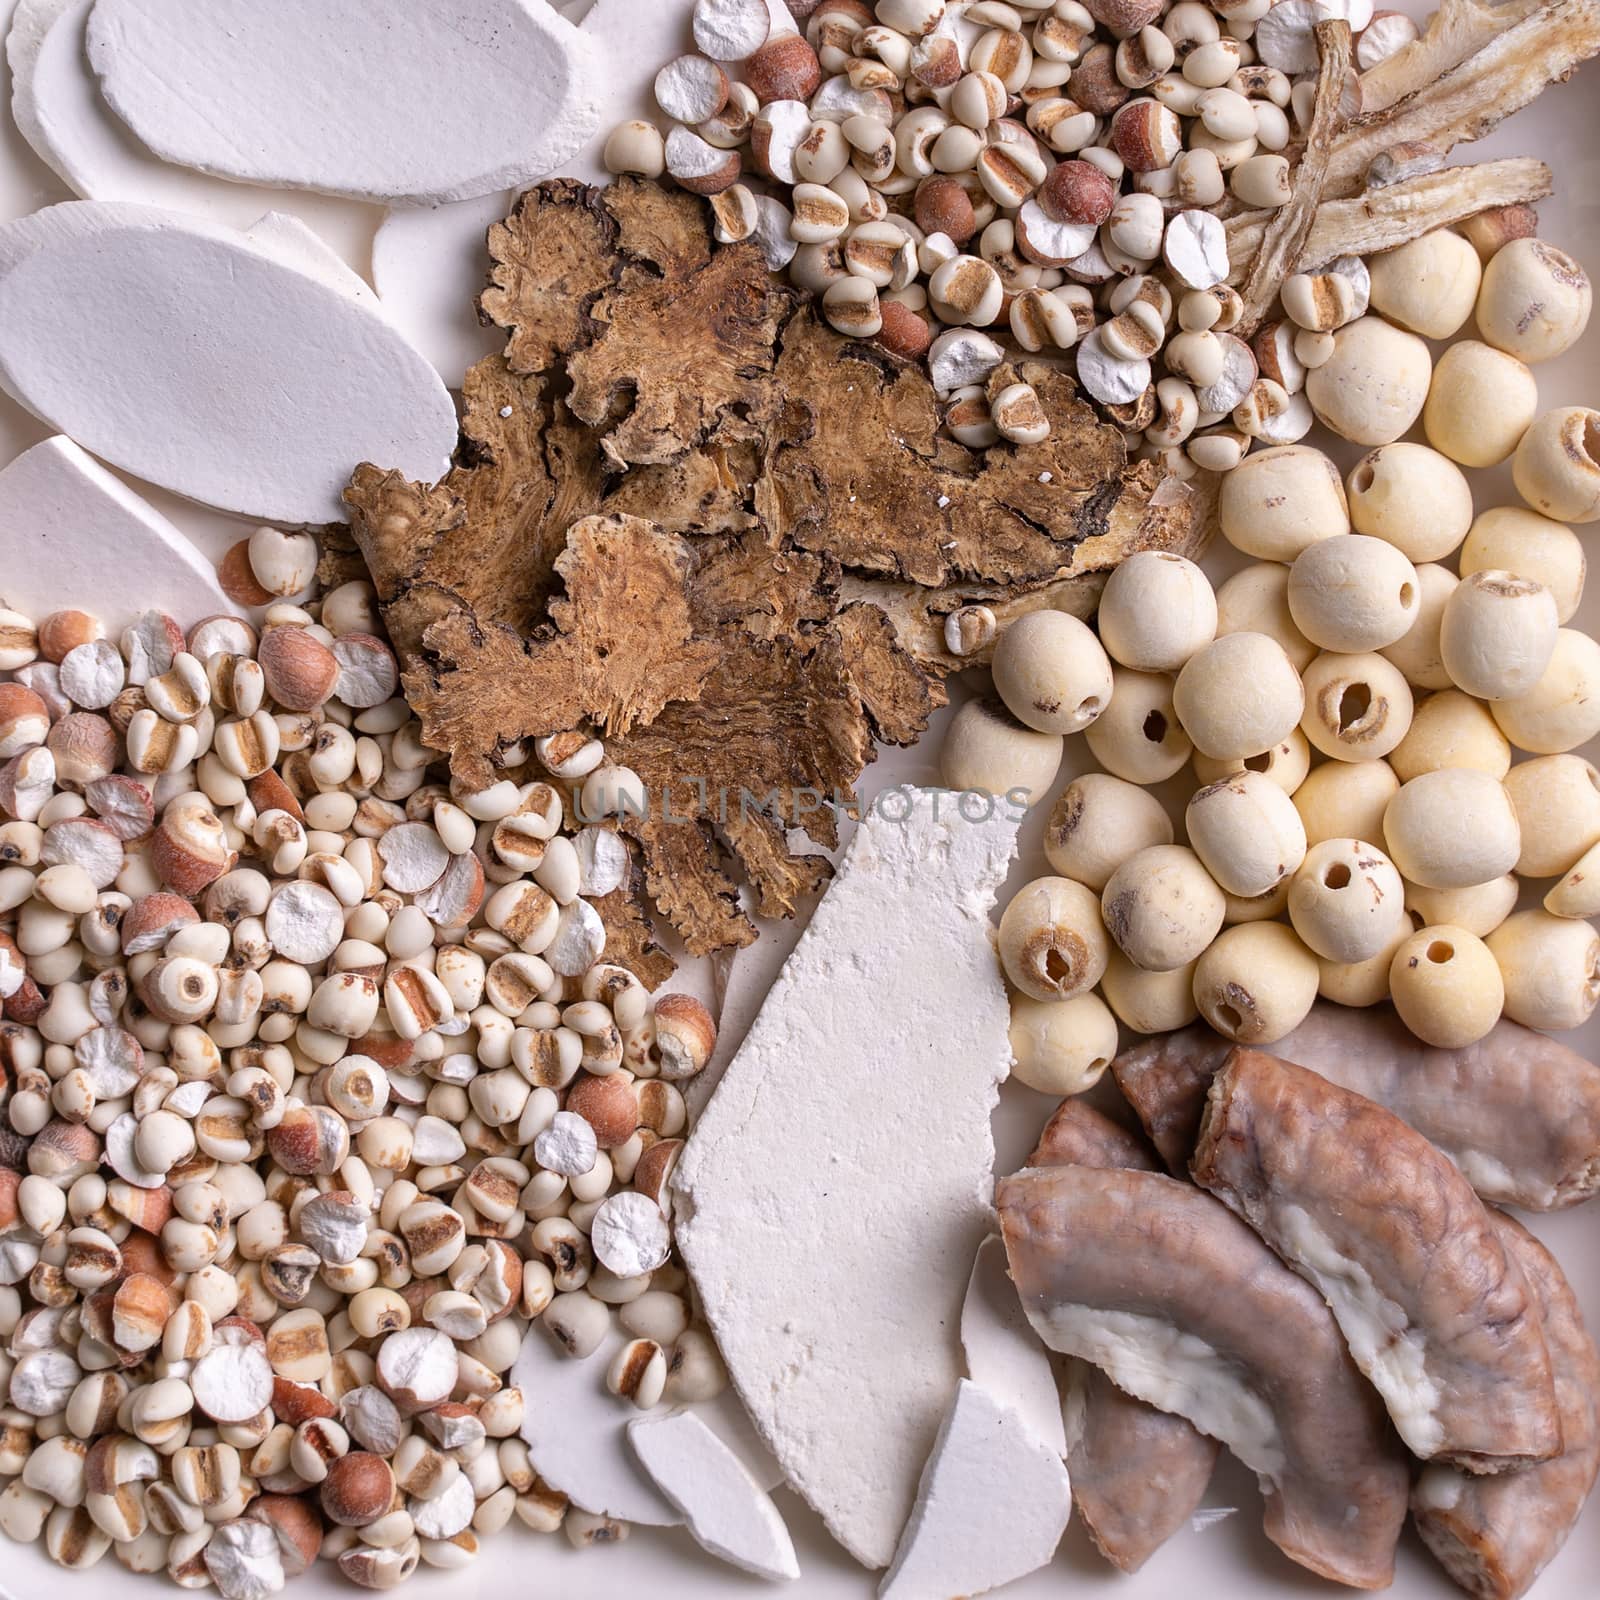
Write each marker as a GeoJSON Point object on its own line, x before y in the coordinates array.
{"type": "Point", "coordinates": [726, 30]}
{"type": "Point", "coordinates": [1388, 32]}
{"type": "Point", "coordinates": [1285, 37]}
{"type": "Point", "coordinates": [92, 675]}
{"type": "Point", "coordinates": [634, 147]}
{"type": "Point", "coordinates": [417, 1368]}
{"type": "Point", "coordinates": [630, 1234]}
{"type": "Point", "coordinates": [960, 357]}
{"type": "Point", "coordinates": [305, 922]}
{"type": "Point", "coordinates": [368, 673]}
{"type": "Point", "coordinates": [373, 1419]}
{"type": "Point", "coordinates": [43, 1380]}
{"type": "Point", "coordinates": [283, 563]}
{"type": "Point", "coordinates": [414, 857]}
{"type": "Point", "coordinates": [232, 1382]}
{"type": "Point", "coordinates": [244, 1560]}
{"type": "Point", "coordinates": [567, 1146]}
{"type": "Point", "coordinates": [1195, 247]}
{"type": "Point", "coordinates": [638, 1372]}
{"type": "Point", "coordinates": [1110, 380]}
{"type": "Point", "coordinates": [84, 842]}
{"type": "Point", "coordinates": [691, 89]}
{"type": "Point", "coordinates": [447, 1513]}
{"type": "Point", "coordinates": [1234, 382]}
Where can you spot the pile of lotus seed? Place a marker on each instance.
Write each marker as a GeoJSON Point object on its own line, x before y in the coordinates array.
{"type": "Point", "coordinates": [943, 175]}
{"type": "Point", "coordinates": [318, 1091]}
{"type": "Point", "coordinates": [1392, 869]}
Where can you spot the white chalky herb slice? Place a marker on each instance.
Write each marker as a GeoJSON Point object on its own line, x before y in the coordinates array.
{"type": "Point", "coordinates": [837, 1186]}
{"type": "Point", "coordinates": [433, 101]}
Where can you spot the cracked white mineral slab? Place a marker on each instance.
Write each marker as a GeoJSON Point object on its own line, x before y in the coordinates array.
{"type": "Point", "coordinates": [433, 101]}
{"type": "Point", "coordinates": [726, 1509]}
{"type": "Point", "coordinates": [243, 374]}
{"type": "Point", "coordinates": [992, 1506]}
{"type": "Point", "coordinates": [65, 523]}
{"type": "Point", "coordinates": [1004, 1356]}
{"type": "Point", "coordinates": [838, 1184]}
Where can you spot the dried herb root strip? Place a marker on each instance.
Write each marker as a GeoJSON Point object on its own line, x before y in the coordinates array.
{"type": "Point", "coordinates": [1457, 30]}
{"type": "Point", "coordinates": [1474, 97]}
{"type": "Point", "coordinates": [1284, 236]}
{"type": "Point", "coordinates": [1384, 219]}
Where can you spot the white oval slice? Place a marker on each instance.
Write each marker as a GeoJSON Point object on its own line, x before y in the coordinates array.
{"type": "Point", "coordinates": [56, 104]}
{"type": "Point", "coordinates": [72, 535]}
{"type": "Point", "coordinates": [415, 104]}
{"type": "Point", "coordinates": [212, 365]}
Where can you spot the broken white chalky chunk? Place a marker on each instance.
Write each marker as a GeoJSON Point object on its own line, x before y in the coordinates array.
{"type": "Point", "coordinates": [1004, 1356]}
{"type": "Point", "coordinates": [433, 101]}
{"type": "Point", "coordinates": [858, 1111]}
{"type": "Point", "coordinates": [447, 1513]}
{"type": "Point", "coordinates": [602, 861]}
{"type": "Point", "coordinates": [630, 1234]}
{"type": "Point", "coordinates": [992, 1506]}
{"type": "Point", "coordinates": [65, 522]}
{"type": "Point", "coordinates": [233, 1382]}
{"type": "Point", "coordinates": [567, 1146]}
{"type": "Point", "coordinates": [281, 380]}
{"type": "Point", "coordinates": [436, 1143]}
{"type": "Point", "coordinates": [725, 1508]}
{"type": "Point", "coordinates": [579, 942]}
{"type": "Point", "coordinates": [1196, 248]}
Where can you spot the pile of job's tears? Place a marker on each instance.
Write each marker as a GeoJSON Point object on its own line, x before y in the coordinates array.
{"type": "Point", "coordinates": [406, 1134]}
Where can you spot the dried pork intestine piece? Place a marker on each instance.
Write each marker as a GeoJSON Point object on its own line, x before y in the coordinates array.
{"type": "Point", "coordinates": [1185, 1307]}
{"type": "Point", "coordinates": [1138, 1474]}
{"type": "Point", "coordinates": [1518, 1112]}
{"type": "Point", "coordinates": [1437, 1314]}
{"type": "Point", "coordinates": [1494, 1536]}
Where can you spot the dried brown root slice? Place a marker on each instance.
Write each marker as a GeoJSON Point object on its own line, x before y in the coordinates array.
{"type": "Point", "coordinates": [1458, 29]}
{"type": "Point", "coordinates": [1494, 1536]}
{"type": "Point", "coordinates": [1154, 513]}
{"type": "Point", "coordinates": [630, 942]}
{"type": "Point", "coordinates": [1473, 97]}
{"type": "Point", "coordinates": [1518, 1111]}
{"type": "Point", "coordinates": [1138, 1474]}
{"type": "Point", "coordinates": [1284, 235]}
{"type": "Point", "coordinates": [1436, 1313]}
{"type": "Point", "coordinates": [898, 696]}
{"type": "Point", "coordinates": [1182, 1305]}
{"type": "Point", "coordinates": [1385, 218]}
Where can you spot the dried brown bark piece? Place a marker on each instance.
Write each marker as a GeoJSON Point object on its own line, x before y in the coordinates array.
{"type": "Point", "coordinates": [899, 697]}
{"type": "Point", "coordinates": [1284, 235]}
{"type": "Point", "coordinates": [1511, 70]}
{"type": "Point", "coordinates": [630, 942]}
{"type": "Point", "coordinates": [1385, 218]}
{"type": "Point", "coordinates": [859, 471]}
{"type": "Point", "coordinates": [1155, 514]}
{"type": "Point", "coordinates": [622, 646]}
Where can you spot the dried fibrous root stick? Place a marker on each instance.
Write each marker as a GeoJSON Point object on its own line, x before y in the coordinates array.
{"type": "Point", "coordinates": [1383, 219]}
{"type": "Point", "coordinates": [1285, 231]}
{"type": "Point", "coordinates": [1509, 72]}
{"type": "Point", "coordinates": [1456, 31]}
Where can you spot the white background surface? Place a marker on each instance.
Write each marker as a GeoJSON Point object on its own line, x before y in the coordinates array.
{"type": "Point", "coordinates": [1229, 1558]}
